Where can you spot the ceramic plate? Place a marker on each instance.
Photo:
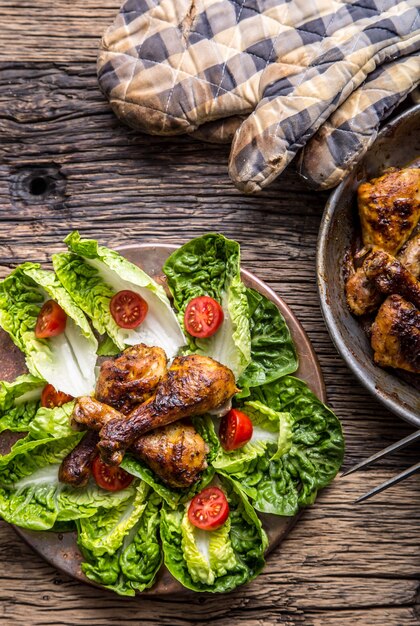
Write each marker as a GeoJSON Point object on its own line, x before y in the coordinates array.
{"type": "Point", "coordinates": [60, 550]}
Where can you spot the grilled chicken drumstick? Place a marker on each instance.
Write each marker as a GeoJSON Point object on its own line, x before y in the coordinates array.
{"type": "Point", "coordinates": [75, 467]}
{"type": "Point", "coordinates": [193, 385]}
{"type": "Point", "coordinates": [131, 378]}
{"type": "Point", "coordinates": [176, 452]}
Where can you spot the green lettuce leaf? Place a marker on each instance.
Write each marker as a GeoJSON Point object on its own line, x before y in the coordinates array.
{"type": "Point", "coordinates": [173, 497]}
{"type": "Point", "coordinates": [92, 274]}
{"type": "Point", "coordinates": [133, 564]}
{"type": "Point", "coordinates": [19, 402]}
{"type": "Point", "coordinates": [271, 437]}
{"type": "Point", "coordinates": [209, 265]}
{"type": "Point", "coordinates": [66, 361]}
{"type": "Point", "coordinates": [52, 423]}
{"type": "Point", "coordinates": [273, 352]}
{"type": "Point", "coordinates": [220, 560]}
{"type": "Point", "coordinates": [31, 496]}
{"type": "Point", "coordinates": [104, 532]}
{"type": "Point", "coordinates": [307, 457]}
{"type": "Point", "coordinates": [45, 424]}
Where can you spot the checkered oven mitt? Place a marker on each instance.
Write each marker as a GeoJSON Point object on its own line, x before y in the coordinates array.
{"type": "Point", "coordinates": [279, 67]}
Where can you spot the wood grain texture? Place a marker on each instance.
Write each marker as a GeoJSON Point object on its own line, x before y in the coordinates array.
{"type": "Point", "coordinates": [342, 564]}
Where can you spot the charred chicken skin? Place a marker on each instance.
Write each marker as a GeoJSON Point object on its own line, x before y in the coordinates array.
{"type": "Point", "coordinates": [361, 294]}
{"type": "Point", "coordinates": [131, 378]}
{"type": "Point", "coordinates": [176, 452]}
{"type": "Point", "coordinates": [389, 208]}
{"type": "Point", "coordinates": [391, 277]}
{"type": "Point", "coordinates": [396, 335]}
{"type": "Point", "coordinates": [193, 385]}
{"type": "Point", "coordinates": [75, 468]}
{"type": "Point", "coordinates": [410, 256]}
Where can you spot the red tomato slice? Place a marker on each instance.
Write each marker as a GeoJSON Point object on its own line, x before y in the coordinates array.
{"type": "Point", "coordinates": [51, 320]}
{"type": "Point", "coordinates": [203, 316]}
{"type": "Point", "coordinates": [209, 509]}
{"type": "Point", "coordinates": [128, 309]}
{"type": "Point", "coordinates": [51, 398]}
{"type": "Point", "coordinates": [110, 477]}
{"type": "Point", "coordinates": [235, 430]}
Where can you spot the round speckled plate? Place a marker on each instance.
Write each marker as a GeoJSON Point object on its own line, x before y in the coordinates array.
{"type": "Point", "coordinates": [60, 550]}
{"type": "Point", "coordinates": [398, 144]}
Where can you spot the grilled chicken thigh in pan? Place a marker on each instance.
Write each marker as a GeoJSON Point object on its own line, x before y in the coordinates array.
{"type": "Point", "coordinates": [396, 335]}
{"type": "Point", "coordinates": [389, 210]}
{"type": "Point", "coordinates": [193, 385]}
{"type": "Point", "coordinates": [390, 276]}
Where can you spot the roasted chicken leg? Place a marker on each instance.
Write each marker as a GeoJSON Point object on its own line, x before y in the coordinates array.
{"type": "Point", "coordinates": [193, 385]}
{"type": "Point", "coordinates": [396, 335]}
{"type": "Point", "coordinates": [131, 378]}
{"type": "Point", "coordinates": [176, 452]}
{"type": "Point", "coordinates": [75, 467]}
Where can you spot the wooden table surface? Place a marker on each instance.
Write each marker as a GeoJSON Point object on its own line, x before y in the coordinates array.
{"type": "Point", "coordinates": [66, 163]}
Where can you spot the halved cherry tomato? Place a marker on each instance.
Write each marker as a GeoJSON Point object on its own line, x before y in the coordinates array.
{"type": "Point", "coordinates": [209, 509]}
{"type": "Point", "coordinates": [235, 430]}
{"type": "Point", "coordinates": [203, 316]}
{"type": "Point", "coordinates": [51, 398]}
{"type": "Point", "coordinates": [128, 309]}
{"type": "Point", "coordinates": [51, 320]}
{"type": "Point", "coordinates": [110, 477]}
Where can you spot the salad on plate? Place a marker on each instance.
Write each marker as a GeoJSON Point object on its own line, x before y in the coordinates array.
{"type": "Point", "coordinates": [157, 424]}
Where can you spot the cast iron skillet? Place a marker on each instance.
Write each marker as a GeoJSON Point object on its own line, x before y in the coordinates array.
{"type": "Point", "coordinates": [397, 144]}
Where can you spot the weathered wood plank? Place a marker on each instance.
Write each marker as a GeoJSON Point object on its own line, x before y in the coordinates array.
{"type": "Point", "coordinates": [342, 564]}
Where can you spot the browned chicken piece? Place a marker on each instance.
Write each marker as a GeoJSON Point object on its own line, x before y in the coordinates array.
{"type": "Point", "coordinates": [390, 277]}
{"type": "Point", "coordinates": [193, 385]}
{"type": "Point", "coordinates": [410, 255]}
{"type": "Point", "coordinates": [361, 293]}
{"type": "Point", "coordinates": [389, 208]}
{"type": "Point", "coordinates": [396, 335]}
{"type": "Point", "coordinates": [75, 467]}
{"type": "Point", "coordinates": [176, 452]}
{"type": "Point", "coordinates": [131, 378]}
{"type": "Point", "coordinates": [92, 414]}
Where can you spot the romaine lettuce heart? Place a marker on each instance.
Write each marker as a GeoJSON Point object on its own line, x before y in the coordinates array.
{"type": "Point", "coordinates": [19, 402]}
{"type": "Point", "coordinates": [31, 495]}
{"type": "Point", "coordinates": [219, 560]}
{"type": "Point", "coordinates": [273, 352]}
{"type": "Point", "coordinates": [281, 477]}
{"type": "Point", "coordinates": [209, 265]}
{"type": "Point", "coordinates": [92, 274]}
{"type": "Point", "coordinates": [66, 361]}
{"type": "Point", "coordinates": [121, 546]}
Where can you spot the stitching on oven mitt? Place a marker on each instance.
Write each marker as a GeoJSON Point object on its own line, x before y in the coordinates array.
{"type": "Point", "coordinates": [345, 137]}
{"type": "Point", "coordinates": [170, 66]}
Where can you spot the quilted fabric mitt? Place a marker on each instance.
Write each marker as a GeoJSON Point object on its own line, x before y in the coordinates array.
{"type": "Point", "coordinates": [282, 66]}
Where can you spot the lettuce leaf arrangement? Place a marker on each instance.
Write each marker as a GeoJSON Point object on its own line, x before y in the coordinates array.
{"type": "Point", "coordinates": [296, 448]}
